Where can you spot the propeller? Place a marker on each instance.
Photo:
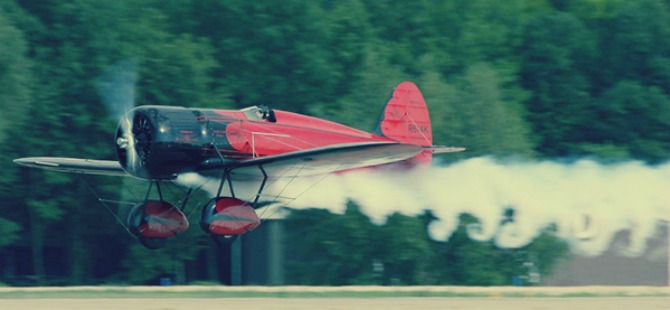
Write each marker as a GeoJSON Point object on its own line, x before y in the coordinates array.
{"type": "Point", "coordinates": [117, 89]}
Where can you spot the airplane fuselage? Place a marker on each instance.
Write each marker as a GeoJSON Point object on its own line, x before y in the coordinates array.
{"type": "Point", "coordinates": [166, 141]}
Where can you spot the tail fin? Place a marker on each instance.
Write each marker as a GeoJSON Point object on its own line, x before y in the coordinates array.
{"type": "Point", "coordinates": [405, 119]}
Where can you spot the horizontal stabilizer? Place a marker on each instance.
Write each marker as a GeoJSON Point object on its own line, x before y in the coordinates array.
{"type": "Point", "coordinates": [436, 149]}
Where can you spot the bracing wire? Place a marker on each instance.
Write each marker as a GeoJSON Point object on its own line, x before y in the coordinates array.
{"type": "Point", "coordinates": [418, 129]}
{"type": "Point", "coordinates": [102, 201]}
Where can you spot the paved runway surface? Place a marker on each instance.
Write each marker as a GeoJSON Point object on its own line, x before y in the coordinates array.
{"type": "Point", "coordinates": [340, 303]}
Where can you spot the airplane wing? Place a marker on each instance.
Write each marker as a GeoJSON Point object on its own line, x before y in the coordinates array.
{"type": "Point", "coordinates": [74, 165]}
{"type": "Point", "coordinates": [317, 161]}
{"type": "Point", "coordinates": [294, 164]}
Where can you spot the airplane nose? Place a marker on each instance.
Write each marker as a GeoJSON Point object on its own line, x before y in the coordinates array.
{"type": "Point", "coordinates": [122, 142]}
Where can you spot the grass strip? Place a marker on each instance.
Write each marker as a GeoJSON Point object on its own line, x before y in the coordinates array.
{"type": "Point", "coordinates": [102, 292]}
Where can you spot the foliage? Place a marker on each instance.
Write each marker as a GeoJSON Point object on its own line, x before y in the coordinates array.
{"type": "Point", "coordinates": [9, 232]}
{"type": "Point", "coordinates": [15, 75]}
{"type": "Point", "coordinates": [334, 250]}
{"type": "Point", "coordinates": [401, 253]}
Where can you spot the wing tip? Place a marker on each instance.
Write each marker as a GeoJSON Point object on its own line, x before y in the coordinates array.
{"type": "Point", "coordinates": [73, 165]}
{"type": "Point", "coordinates": [27, 162]}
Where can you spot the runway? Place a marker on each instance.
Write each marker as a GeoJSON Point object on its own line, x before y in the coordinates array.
{"type": "Point", "coordinates": [347, 297]}
{"type": "Point", "coordinates": [341, 303]}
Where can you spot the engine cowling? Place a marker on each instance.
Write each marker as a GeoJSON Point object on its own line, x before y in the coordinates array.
{"type": "Point", "coordinates": [156, 219]}
{"type": "Point", "coordinates": [154, 142]}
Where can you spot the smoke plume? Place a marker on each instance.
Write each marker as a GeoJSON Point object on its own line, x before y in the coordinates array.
{"type": "Point", "coordinates": [587, 202]}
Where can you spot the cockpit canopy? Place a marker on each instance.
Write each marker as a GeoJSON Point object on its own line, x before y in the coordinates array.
{"type": "Point", "coordinates": [260, 113]}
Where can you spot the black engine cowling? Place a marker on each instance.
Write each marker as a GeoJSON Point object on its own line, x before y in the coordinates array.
{"type": "Point", "coordinates": [154, 142]}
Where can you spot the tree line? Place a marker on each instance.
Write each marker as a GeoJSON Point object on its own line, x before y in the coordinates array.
{"type": "Point", "coordinates": [522, 78]}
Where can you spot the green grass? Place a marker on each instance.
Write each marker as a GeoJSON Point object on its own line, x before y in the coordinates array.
{"type": "Point", "coordinates": [278, 292]}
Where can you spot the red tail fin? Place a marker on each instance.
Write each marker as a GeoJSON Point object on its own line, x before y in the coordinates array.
{"type": "Point", "coordinates": [406, 119]}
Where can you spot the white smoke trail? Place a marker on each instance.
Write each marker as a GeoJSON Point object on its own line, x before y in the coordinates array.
{"type": "Point", "coordinates": [587, 202]}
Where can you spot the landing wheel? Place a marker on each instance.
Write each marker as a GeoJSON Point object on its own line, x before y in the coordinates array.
{"type": "Point", "coordinates": [225, 239]}
{"type": "Point", "coordinates": [228, 217]}
{"type": "Point", "coordinates": [154, 221]}
{"type": "Point", "coordinates": [152, 243]}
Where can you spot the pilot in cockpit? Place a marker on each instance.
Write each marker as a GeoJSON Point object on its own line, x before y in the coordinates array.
{"type": "Point", "coordinates": [266, 113]}
{"type": "Point", "coordinates": [260, 112]}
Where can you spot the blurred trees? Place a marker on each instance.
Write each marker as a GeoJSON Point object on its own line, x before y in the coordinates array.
{"type": "Point", "coordinates": [328, 249]}
{"type": "Point", "coordinates": [15, 101]}
{"type": "Point", "coordinates": [551, 72]}
{"type": "Point", "coordinates": [525, 78]}
{"type": "Point", "coordinates": [15, 74]}
{"type": "Point", "coordinates": [332, 250]}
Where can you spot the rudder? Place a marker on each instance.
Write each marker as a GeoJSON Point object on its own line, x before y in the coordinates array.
{"type": "Point", "coordinates": [405, 119]}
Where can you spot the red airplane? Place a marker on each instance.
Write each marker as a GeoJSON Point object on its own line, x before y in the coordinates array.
{"type": "Point", "coordinates": [158, 143]}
